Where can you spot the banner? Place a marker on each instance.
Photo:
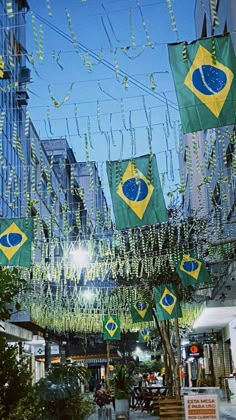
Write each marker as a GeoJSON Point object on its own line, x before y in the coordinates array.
{"type": "Point", "coordinates": [192, 271]}
{"type": "Point", "coordinates": [141, 312]}
{"type": "Point", "coordinates": [167, 302]}
{"type": "Point", "coordinates": [111, 327]}
{"type": "Point", "coordinates": [15, 241]}
{"type": "Point", "coordinates": [136, 192]}
{"type": "Point", "coordinates": [204, 78]}
{"type": "Point", "coordinates": [144, 335]}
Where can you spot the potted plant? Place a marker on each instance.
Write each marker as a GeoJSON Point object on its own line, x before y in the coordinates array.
{"type": "Point", "coordinates": [122, 382]}
{"type": "Point", "coordinates": [60, 396]}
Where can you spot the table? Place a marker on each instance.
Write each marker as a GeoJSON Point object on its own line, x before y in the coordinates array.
{"type": "Point", "coordinates": [156, 389]}
{"type": "Point", "coordinates": [142, 397]}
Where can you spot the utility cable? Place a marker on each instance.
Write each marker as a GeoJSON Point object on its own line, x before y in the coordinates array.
{"type": "Point", "coordinates": [107, 64]}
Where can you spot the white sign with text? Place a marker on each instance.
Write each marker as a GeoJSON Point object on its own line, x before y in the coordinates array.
{"type": "Point", "coordinates": [201, 407]}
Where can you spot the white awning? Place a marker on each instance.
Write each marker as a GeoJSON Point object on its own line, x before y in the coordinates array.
{"type": "Point", "coordinates": [15, 333]}
{"type": "Point", "coordinates": [215, 316]}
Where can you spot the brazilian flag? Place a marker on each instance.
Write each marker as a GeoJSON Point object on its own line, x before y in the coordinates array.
{"type": "Point", "coordinates": [204, 76]}
{"type": "Point", "coordinates": [167, 302]}
{"type": "Point", "coordinates": [192, 271]}
{"type": "Point", "coordinates": [111, 327]}
{"type": "Point", "coordinates": [136, 192]}
{"type": "Point", "coordinates": [144, 335]}
{"type": "Point", "coordinates": [141, 311]}
{"type": "Point", "coordinates": [15, 241]}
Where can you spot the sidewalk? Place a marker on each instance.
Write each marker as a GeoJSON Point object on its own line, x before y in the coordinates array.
{"type": "Point", "coordinates": [227, 412]}
{"type": "Point", "coordinates": [133, 415]}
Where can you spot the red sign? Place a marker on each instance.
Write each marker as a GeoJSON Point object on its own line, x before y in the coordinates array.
{"type": "Point", "coordinates": [194, 349]}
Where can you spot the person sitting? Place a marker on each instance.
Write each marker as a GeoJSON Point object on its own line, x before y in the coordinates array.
{"type": "Point", "coordinates": [152, 378]}
{"type": "Point", "coordinates": [145, 381]}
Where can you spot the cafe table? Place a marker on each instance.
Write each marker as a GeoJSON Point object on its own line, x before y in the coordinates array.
{"type": "Point", "coordinates": [142, 397]}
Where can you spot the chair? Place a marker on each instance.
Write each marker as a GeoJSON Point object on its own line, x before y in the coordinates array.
{"type": "Point", "coordinates": [137, 399]}
{"type": "Point", "coordinates": [147, 398]}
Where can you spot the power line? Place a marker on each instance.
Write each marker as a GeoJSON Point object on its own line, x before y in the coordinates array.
{"type": "Point", "coordinates": [107, 64]}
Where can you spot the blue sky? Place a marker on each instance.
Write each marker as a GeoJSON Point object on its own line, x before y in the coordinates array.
{"type": "Point", "coordinates": [134, 34]}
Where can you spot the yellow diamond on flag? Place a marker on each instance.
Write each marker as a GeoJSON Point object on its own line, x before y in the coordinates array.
{"type": "Point", "coordinates": [168, 301]}
{"type": "Point", "coordinates": [111, 327]}
{"type": "Point", "coordinates": [209, 81]}
{"type": "Point", "coordinates": [11, 240]}
{"type": "Point", "coordinates": [135, 190]}
{"type": "Point", "coordinates": [190, 266]}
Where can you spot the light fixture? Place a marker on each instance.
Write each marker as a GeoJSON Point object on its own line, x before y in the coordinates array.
{"type": "Point", "coordinates": [79, 257]}
{"type": "Point", "coordinates": [88, 294]}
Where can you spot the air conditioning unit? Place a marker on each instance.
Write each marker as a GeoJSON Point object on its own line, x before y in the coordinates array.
{"type": "Point", "coordinates": [23, 4]}
{"type": "Point", "coordinates": [24, 75]}
{"type": "Point", "coordinates": [22, 98]}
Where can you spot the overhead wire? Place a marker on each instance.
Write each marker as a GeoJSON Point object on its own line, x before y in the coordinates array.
{"type": "Point", "coordinates": [107, 64]}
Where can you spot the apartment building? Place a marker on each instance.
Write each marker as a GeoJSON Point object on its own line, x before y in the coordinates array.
{"type": "Point", "coordinates": [38, 178]}
{"type": "Point", "coordinates": [211, 193]}
{"type": "Point", "coordinates": [13, 104]}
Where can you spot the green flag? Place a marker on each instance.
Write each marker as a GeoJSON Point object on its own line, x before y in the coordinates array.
{"type": "Point", "coordinates": [111, 327]}
{"type": "Point", "coordinates": [144, 335]}
{"type": "Point", "coordinates": [15, 241]}
{"type": "Point", "coordinates": [136, 192]}
{"type": "Point", "coordinates": [204, 77]}
{"type": "Point", "coordinates": [192, 271]}
{"type": "Point", "coordinates": [141, 311]}
{"type": "Point", "coordinates": [167, 302]}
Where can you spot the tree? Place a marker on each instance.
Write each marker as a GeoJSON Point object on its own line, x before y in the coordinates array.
{"type": "Point", "coordinates": [60, 396]}
{"type": "Point", "coordinates": [17, 399]}
{"type": "Point", "coordinates": [10, 285]}
{"type": "Point", "coordinates": [15, 384]}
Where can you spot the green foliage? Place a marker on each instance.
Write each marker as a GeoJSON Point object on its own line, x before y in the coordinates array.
{"type": "Point", "coordinates": [15, 384]}
{"type": "Point", "coordinates": [60, 396]}
{"type": "Point", "coordinates": [122, 381]}
{"type": "Point", "coordinates": [151, 366]}
{"type": "Point", "coordinates": [10, 284]}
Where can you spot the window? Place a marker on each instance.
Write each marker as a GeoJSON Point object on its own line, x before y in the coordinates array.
{"type": "Point", "coordinates": [225, 31]}
{"type": "Point", "coordinates": [229, 153]}
{"type": "Point", "coordinates": [216, 197]}
{"type": "Point", "coordinates": [204, 28]}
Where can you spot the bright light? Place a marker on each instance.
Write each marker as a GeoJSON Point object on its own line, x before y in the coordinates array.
{"type": "Point", "coordinates": [88, 294]}
{"type": "Point", "coordinates": [80, 257]}
{"type": "Point", "coordinates": [138, 350]}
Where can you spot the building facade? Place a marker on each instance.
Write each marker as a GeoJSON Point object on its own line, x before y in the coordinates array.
{"type": "Point", "coordinates": [207, 165]}
{"type": "Point", "coordinates": [39, 179]}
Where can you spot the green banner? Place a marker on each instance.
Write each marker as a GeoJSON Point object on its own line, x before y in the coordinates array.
{"type": "Point", "coordinates": [141, 311]}
{"type": "Point", "coordinates": [204, 77]}
{"type": "Point", "coordinates": [15, 241]}
{"type": "Point", "coordinates": [111, 327]}
{"type": "Point", "coordinates": [143, 335]}
{"type": "Point", "coordinates": [192, 271]}
{"type": "Point", "coordinates": [136, 192]}
{"type": "Point", "coordinates": [167, 302]}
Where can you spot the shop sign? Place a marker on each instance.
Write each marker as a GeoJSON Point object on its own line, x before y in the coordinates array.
{"type": "Point", "coordinates": [205, 407]}
{"type": "Point", "coordinates": [194, 350]}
